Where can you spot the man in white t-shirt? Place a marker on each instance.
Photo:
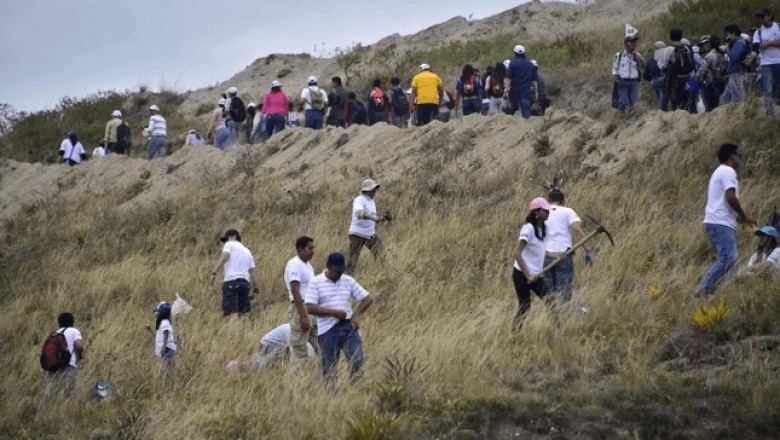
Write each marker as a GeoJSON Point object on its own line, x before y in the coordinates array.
{"type": "Point", "coordinates": [239, 267]}
{"type": "Point", "coordinates": [362, 229]}
{"type": "Point", "coordinates": [766, 41]}
{"type": "Point", "coordinates": [721, 216]}
{"type": "Point", "coordinates": [329, 297]}
{"type": "Point", "coordinates": [314, 102]}
{"type": "Point", "coordinates": [71, 150]}
{"type": "Point", "coordinates": [297, 275]}
{"type": "Point", "coordinates": [64, 378]}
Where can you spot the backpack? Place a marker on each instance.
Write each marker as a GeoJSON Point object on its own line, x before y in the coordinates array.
{"type": "Point", "coordinates": [55, 354]}
{"type": "Point", "coordinates": [316, 100]}
{"type": "Point", "coordinates": [359, 113]}
{"type": "Point", "coordinates": [237, 110]}
{"type": "Point", "coordinates": [376, 100]}
{"type": "Point", "coordinates": [400, 102]}
{"type": "Point", "coordinates": [682, 61]}
{"type": "Point", "coordinates": [651, 70]}
{"type": "Point", "coordinates": [470, 86]}
{"type": "Point", "coordinates": [496, 86]}
{"type": "Point", "coordinates": [124, 137]}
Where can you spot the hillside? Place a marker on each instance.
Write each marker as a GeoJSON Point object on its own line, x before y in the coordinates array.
{"type": "Point", "coordinates": [109, 239]}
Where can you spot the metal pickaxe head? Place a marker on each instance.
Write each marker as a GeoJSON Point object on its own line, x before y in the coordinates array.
{"type": "Point", "coordinates": [601, 229]}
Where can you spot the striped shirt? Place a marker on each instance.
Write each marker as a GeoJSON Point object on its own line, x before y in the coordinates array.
{"type": "Point", "coordinates": [156, 126]}
{"type": "Point", "coordinates": [325, 293]}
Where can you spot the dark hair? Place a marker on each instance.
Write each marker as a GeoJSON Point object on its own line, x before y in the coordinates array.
{"type": "Point", "coordinates": [65, 320]}
{"type": "Point", "coordinates": [732, 29]}
{"type": "Point", "coordinates": [160, 317]}
{"type": "Point", "coordinates": [377, 83]}
{"type": "Point", "coordinates": [351, 95]}
{"type": "Point", "coordinates": [468, 70]}
{"type": "Point", "coordinates": [675, 34]}
{"type": "Point", "coordinates": [555, 195]}
{"type": "Point", "coordinates": [337, 80]}
{"type": "Point", "coordinates": [540, 230]}
{"type": "Point", "coordinates": [499, 72]}
{"type": "Point", "coordinates": [726, 151]}
{"type": "Point", "coordinates": [768, 247]}
{"type": "Point", "coordinates": [302, 241]}
{"type": "Point", "coordinates": [395, 81]}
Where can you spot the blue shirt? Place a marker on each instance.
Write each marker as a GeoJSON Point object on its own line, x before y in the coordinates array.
{"type": "Point", "coordinates": [522, 73]}
{"type": "Point", "coordinates": [737, 54]}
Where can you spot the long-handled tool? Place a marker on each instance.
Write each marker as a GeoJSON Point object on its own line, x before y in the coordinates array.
{"type": "Point", "coordinates": [599, 229]}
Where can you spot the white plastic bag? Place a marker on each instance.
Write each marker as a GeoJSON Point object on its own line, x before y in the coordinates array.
{"type": "Point", "coordinates": [180, 306]}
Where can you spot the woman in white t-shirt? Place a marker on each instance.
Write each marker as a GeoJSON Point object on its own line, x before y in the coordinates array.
{"type": "Point", "coordinates": [529, 258]}
{"type": "Point", "coordinates": [767, 254]}
{"type": "Point", "coordinates": [164, 340]}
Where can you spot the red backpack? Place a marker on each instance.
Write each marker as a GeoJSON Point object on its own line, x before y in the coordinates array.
{"type": "Point", "coordinates": [55, 354]}
{"type": "Point", "coordinates": [470, 86]}
{"type": "Point", "coordinates": [378, 99]}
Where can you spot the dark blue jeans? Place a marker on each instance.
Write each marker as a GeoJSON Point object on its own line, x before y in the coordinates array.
{"type": "Point", "coordinates": [340, 337]}
{"type": "Point", "coordinates": [769, 74]}
{"type": "Point", "coordinates": [313, 119]}
{"type": "Point", "coordinates": [560, 278]}
{"type": "Point", "coordinates": [471, 106]}
{"type": "Point", "coordinates": [724, 240]}
{"type": "Point", "coordinates": [274, 124]}
{"type": "Point", "coordinates": [523, 104]}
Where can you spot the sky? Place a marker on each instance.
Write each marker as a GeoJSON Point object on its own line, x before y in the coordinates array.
{"type": "Point", "coordinates": [56, 48]}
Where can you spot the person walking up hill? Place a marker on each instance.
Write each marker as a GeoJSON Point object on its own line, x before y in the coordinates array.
{"type": "Point", "coordinates": [158, 131]}
{"type": "Point", "coordinates": [427, 88]}
{"type": "Point", "coordinates": [529, 258]}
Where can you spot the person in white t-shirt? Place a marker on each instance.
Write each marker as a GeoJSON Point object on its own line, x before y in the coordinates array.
{"type": "Point", "coordinates": [766, 41]}
{"type": "Point", "coordinates": [529, 258]}
{"type": "Point", "coordinates": [273, 345]}
{"type": "Point", "coordinates": [239, 267]}
{"type": "Point", "coordinates": [721, 215]}
{"type": "Point", "coordinates": [65, 378]}
{"type": "Point", "coordinates": [362, 229]}
{"type": "Point", "coordinates": [164, 339]}
{"type": "Point", "coordinates": [768, 254]}
{"type": "Point", "coordinates": [297, 275]}
{"type": "Point", "coordinates": [329, 297]}
{"type": "Point", "coordinates": [71, 150]}
{"type": "Point", "coordinates": [562, 223]}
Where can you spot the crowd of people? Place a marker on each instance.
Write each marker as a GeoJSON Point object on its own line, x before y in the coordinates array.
{"type": "Point", "coordinates": [702, 77]}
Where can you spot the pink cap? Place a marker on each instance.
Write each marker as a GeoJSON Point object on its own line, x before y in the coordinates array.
{"type": "Point", "coordinates": [539, 202]}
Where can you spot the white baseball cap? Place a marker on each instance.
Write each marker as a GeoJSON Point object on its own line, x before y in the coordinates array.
{"type": "Point", "coordinates": [251, 104]}
{"type": "Point", "coordinates": [276, 83]}
{"type": "Point", "coordinates": [506, 63]}
{"type": "Point", "coordinates": [519, 49]}
{"type": "Point", "coordinates": [232, 90]}
{"type": "Point", "coordinates": [154, 108]}
{"type": "Point", "coordinates": [313, 80]}
{"type": "Point", "coordinates": [116, 114]}
{"type": "Point", "coordinates": [368, 185]}
{"type": "Point", "coordinates": [221, 101]}
{"type": "Point", "coordinates": [424, 66]}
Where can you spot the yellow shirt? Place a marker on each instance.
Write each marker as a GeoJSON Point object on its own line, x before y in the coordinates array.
{"type": "Point", "coordinates": [111, 126]}
{"type": "Point", "coordinates": [426, 86]}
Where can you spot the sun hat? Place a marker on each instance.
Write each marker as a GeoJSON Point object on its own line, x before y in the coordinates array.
{"type": "Point", "coordinates": [767, 230]}
{"type": "Point", "coordinates": [424, 66]}
{"type": "Point", "coordinates": [230, 233]}
{"type": "Point", "coordinates": [539, 202]}
{"type": "Point", "coordinates": [154, 108]}
{"type": "Point", "coordinates": [337, 262]}
{"type": "Point", "coordinates": [116, 114]}
{"type": "Point", "coordinates": [276, 83]}
{"type": "Point", "coordinates": [519, 49]}
{"type": "Point", "coordinates": [163, 307]}
{"type": "Point", "coordinates": [368, 185]}
{"type": "Point", "coordinates": [232, 91]}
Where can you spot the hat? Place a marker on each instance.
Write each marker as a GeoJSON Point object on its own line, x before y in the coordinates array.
{"type": "Point", "coordinates": [192, 131]}
{"type": "Point", "coordinates": [116, 114]}
{"type": "Point", "coordinates": [630, 38]}
{"type": "Point", "coordinates": [506, 63]}
{"type": "Point", "coordinates": [695, 49]}
{"type": "Point", "coordinates": [704, 39]}
{"type": "Point", "coordinates": [685, 42]}
{"type": "Point", "coordinates": [73, 133]}
{"type": "Point", "coordinates": [232, 91]}
{"type": "Point", "coordinates": [767, 230]}
{"type": "Point", "coordinates": [535, 63]}
{"type": "Point", "coordinates": [251, 104]}
{"type": "Point", "coordinates": [519, 49]}
{"type": "Point", "coordinates": [659, 45]}
{"type": "Point", "coordinates": [230, 233]}
{"type": "Point", "coordinates": [539, 202]}
{"type": "Point", "coordinates": [154, 108]}
{"type": "Point", "coordinates": [368, 185]}
{"type": "Point", "coordinates": [163, 307]}
{"type": "Point", "coordinates": [763, 13]}
{"type": "Point", "coordinates": [424, 66]}
{"type": "Point", "coordinates": [276, 83]}
{"type": "Point", "coordinates": [337, 262]}
{"type": "Point", "coordinates": [221, 101]}
{"type": "Point", "coordinates": [312, 80]}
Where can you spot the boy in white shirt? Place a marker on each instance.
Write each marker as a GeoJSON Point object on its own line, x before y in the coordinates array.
{"type": "Point", "coordinates": [65, 377]}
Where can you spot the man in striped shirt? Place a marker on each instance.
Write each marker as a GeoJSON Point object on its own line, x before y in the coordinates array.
{"type": "Point", "coordinates": [158, 132]}
{"type": "Point", "coordinates": [329, 297]}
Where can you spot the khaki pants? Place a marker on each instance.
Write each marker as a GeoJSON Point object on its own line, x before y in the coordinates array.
{"type": "Point", "coordinates": [61, 380]}
{"type": "Point", "coordinates": [356, 243]}
{"type": "Point", "coordinates": [299, 336]}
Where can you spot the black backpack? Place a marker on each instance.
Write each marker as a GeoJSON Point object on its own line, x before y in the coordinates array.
{"type": "Point", "coordinates": [400, 102]}
{"type": "Point", "coordinates": [359, 113]}
{"type": "Point", "coordinates": [682, 61]}
{"type": "Point", "coordinates": [124, 138]}
{"type": "Point", "coordinates": [237, 110]}
{"type": "Point", "coordinates": [55, 354]}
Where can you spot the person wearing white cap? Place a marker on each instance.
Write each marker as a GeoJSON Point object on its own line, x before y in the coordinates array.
{"type": "Point", "coordinates": [521, 76]}
{"type": "Point", "coordinates": [766, 41]}
{"type": "Point", "coordinates": [529, 258]}
{"type": "Point", "coordinates": [709, 75]}
{"type": "Point", "coordinates": [362, 229]}
{"type": "Point", "coordinates": [218, 127]}
{"type": "Point", "coordinates": [314, 102]}
{"type": "Point", "coordinates": [235, 115]}
{"type": "Point", "coordinates": [248, 125]}
{"type": "Point", "coordinates": [158, 132]}
{"type": "Point", "coordinates": [427, 90]}
{"type": "Point", "coordinates": [275, 109]}
{"type": "Point", "coordinates": [193, 138]}
{"type": "Point", "coordinates": [110, 135]}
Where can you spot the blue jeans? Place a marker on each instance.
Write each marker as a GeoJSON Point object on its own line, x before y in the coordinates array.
{"type": "Point", "coordinates": [470, 106]}
{"type": "Point", "coordinates": [340, 337]}
{"type": "Point", "coordinates": [156, 147]}
{"type": "Point", "coordinates": [735, 89]}
{"type": "Point", "coordinates": [375, 116]}
{"type": "Point", "coordinates": [274, 124]}
{"type": "Point", "coordinates": [560, 278]}
{"type": "Point", "coordinates": [658, 90]}
{"type": "Point", "coordinates": [769, 74]}
{"type": "Point", "coordinates": [724, 240]}
{"type": "Point", "coordinates": [313, 119]}
{"type": "Point", "coordinates": [628, 92]}
{"type": "Point", "coordinates": [232, 130]}
{"type": "Point", "coordinates": [221, 137]}
{"type": "Point", "coordinates": [523, 104]}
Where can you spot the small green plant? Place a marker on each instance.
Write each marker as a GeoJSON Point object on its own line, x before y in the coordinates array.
{"type": "Point", "coordinates": [374, 426]}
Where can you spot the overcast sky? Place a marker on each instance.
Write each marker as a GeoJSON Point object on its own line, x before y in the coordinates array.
{"type": "Point", "coordinates": [56, 48]}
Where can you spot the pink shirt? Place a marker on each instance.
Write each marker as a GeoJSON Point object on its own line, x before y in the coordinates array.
{"type": "Point", "coordinates": [275, 103]}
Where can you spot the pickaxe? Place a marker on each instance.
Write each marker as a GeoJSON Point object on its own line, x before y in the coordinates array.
{"type": "Point", "coordinates": [599, 229]}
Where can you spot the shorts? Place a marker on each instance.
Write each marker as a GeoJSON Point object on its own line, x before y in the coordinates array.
{"type": "Point", "coordinates": [235, 296]}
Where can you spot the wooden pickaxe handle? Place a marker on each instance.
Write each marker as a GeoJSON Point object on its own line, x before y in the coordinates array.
{"type": "Point", "coordinates": [571, 250]}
